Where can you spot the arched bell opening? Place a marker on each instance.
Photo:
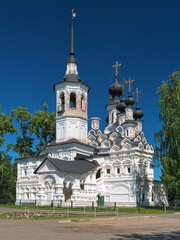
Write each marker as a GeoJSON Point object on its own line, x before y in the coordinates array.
{"type": "Point", "coordinates": [73, 100]}
{"type": "Point", "coordinates": [62, 102]}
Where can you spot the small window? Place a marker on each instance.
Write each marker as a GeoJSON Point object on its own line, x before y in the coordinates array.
{"type": "Point", "coordinates": [112, 118]}
{"type": "Point", "coordinates": [81, 185]}
{"type": "Point", "coordinates": [127, 133]}
{"type": "Point", "coordinates": [129, 170]}
{"type": "Point", "coordinates": [72, 100]}
{"type": "Point", "coordinates": [108, 171]}
{"type": "Point", "coordinates": [98, 174]}
{"type": "Point", "coordinates": [25, 172]}
{"type": "Point", "coordinates": [118, 170]}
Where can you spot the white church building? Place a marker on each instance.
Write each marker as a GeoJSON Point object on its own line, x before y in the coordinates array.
{"type": "Point", "coordinates": [82, 168]}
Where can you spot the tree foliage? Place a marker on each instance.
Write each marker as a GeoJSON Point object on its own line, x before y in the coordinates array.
{"type": "Point", "coordinates": [24, 141]}
{"type": "Point", "coordinates": [168, 138]}
{"type": "Point", "coordinates": [6, 126]}
{"type": "Point", "coordinates": [43, 126]}
{"type": "Point", "coordinates": [7, 169]}
{"type": "Point", "coordinates": [8, 175]}
{"type": "Point", "coordinates": [37, 129]}
{"type": "Point", "coordinates": [34, 131]}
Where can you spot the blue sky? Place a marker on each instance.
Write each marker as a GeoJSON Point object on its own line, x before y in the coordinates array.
{"type": "Point", "coordinates": [35, 41]}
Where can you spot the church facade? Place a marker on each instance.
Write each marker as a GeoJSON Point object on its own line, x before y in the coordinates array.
{"type": "Point", "coordinates": [84, 168]}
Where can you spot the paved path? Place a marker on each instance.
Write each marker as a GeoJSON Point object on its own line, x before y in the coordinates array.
{"type": "Point", "coordinates": [164, 227]}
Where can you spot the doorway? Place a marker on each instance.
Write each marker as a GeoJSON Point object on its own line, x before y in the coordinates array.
{"type": "Point", "coordinates": [67, 191]}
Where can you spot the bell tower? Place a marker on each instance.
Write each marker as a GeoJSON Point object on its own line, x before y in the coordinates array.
{"type": "Point", "coordinates": [71, 101]}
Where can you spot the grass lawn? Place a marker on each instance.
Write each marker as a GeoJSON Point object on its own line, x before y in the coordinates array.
{"type": "Point", "coordinates": [39, 216]}
{"type": "Point", "coordinates": [143, 210]}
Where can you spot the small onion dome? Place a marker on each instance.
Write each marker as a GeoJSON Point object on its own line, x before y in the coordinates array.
{"type": "Point", "coordinates": [129, 101]}
{"type": "Point", "coordinates": [138, 114]}
{"type": "Point", "coordinates": [115, 89]}
{"type": "Point", "coordinates": [121, 106]}
{"type": "Point", "coordinates": [107, 120]}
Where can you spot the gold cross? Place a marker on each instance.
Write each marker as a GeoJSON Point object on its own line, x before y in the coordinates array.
{"type": "Point", "coordinates": [129, 82]}
{"type": "Point", "coordinates": [116, 66]}
{"type": "Point", "coordinates": [137, 92]}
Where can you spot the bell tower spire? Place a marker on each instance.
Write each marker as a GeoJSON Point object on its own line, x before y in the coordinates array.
{"type": "Point", "coordinates": [71, 62]}
{"type": "Point", "coordinates": [72, 39]}
{"type": "Point", "coordinates": [71, 101]}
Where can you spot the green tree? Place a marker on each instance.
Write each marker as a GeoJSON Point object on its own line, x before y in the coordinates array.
{"type": "Point", "coordinates": [24, 141]}
{"type": "Point", "coordinates": [6, 126]}
{"type": "Point", "coordinates": [40, 127]}
{"type": "Point", "coordinates": [8, 174]}
{"type": "Point", "coordinates": [7, 169]}
{"type": "Point", "coordinates": [168, 138]}
{"type": "Point", "coordinates": [43, 126]}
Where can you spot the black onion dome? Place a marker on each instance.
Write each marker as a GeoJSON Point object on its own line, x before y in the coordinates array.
{"type": "Point", "coordinates": [121, 106]}
{"type": "Point", "coordinates": [138, 113]}
{"type": "Point", "coordinates": [115, 89]}
{"type": "Point", "coordinates": [129, 101]}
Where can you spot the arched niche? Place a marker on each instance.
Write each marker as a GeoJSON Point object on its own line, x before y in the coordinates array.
{"type": "Point", "coordinates": [83, 102]}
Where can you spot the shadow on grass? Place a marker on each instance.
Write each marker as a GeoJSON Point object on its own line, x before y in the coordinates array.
{"type": "Point", "coordinates": [174, 235]}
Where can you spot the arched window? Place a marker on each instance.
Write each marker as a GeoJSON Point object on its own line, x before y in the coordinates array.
{"type": "Point", "coordinates": [108, 171]}
{"type": "Point", "coordinates": [82, 185]}
{"type": "Point", "coordinates": [112, 118]}
{"type": "Point", "coordinates": [83, 102]}
{"type": "Point", "coordinates": [72, 100]}
{"type": "Point", "coordinates": [98, 174]}
{"type": "Point", "coordinates": [25, 172]}
{"type": "Point", "coordinates": [62, 99]}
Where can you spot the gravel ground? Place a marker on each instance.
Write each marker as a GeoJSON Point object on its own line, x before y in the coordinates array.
{"type": "Point", "coordinates": [164, 227]}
